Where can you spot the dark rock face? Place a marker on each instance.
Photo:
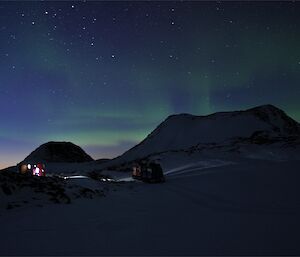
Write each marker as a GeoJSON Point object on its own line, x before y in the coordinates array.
{"type": "Point", "coordinates": [58, 152]}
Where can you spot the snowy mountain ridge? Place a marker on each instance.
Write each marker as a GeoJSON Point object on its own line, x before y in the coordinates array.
{"type": "Point", "coordinates": [260, 132]}
{"type": "Point", "coordinates": [185, 131]}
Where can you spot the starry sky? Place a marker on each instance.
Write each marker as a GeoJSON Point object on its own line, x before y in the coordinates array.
{"type": "Point", "coordinates": [104, 74]}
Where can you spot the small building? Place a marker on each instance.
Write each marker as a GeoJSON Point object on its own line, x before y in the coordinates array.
{"type": "Point", "coordinates": [148, 171]}
{"type": "Point", "coordinates": [33, 169]}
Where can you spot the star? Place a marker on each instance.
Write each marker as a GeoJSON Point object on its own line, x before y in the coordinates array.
{"type": "Point", "coordinates": [52, 45]}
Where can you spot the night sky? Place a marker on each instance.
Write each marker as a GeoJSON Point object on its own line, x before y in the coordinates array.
{"type": "Point", "coordinates": [104, 74]}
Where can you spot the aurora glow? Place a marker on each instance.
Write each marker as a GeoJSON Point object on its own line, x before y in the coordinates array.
{"type": "Point", "coordinates": [104, 74]}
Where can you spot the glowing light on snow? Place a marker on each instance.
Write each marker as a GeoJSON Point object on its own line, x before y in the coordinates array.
{"type": "Point", "coordinates": [36, 171]}
{"type": "Point", "coordinates": [77, 176]}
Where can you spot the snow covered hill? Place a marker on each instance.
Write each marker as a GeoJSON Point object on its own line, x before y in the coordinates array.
{"type": "Point", "coordinates": [231, 189]}
{"type": "Point", "coordinates": [263, 132]}
{"type": "Point", "coordinates": [58, 152]}
{"type": "Point", "coordinates": [260, 125]}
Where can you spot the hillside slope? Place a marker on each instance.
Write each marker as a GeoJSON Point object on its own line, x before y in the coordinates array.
{"type": "Point", "coordinates": [184, 131]}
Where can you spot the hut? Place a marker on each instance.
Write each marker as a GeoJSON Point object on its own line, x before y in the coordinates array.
{"type": "Point", "coordinates": [33, 169]}
{"type": "Point", "coordinates": [148, 171]}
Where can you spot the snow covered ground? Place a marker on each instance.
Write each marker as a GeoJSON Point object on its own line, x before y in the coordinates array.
{"type": "Point", "coordinates": [212, 207]}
